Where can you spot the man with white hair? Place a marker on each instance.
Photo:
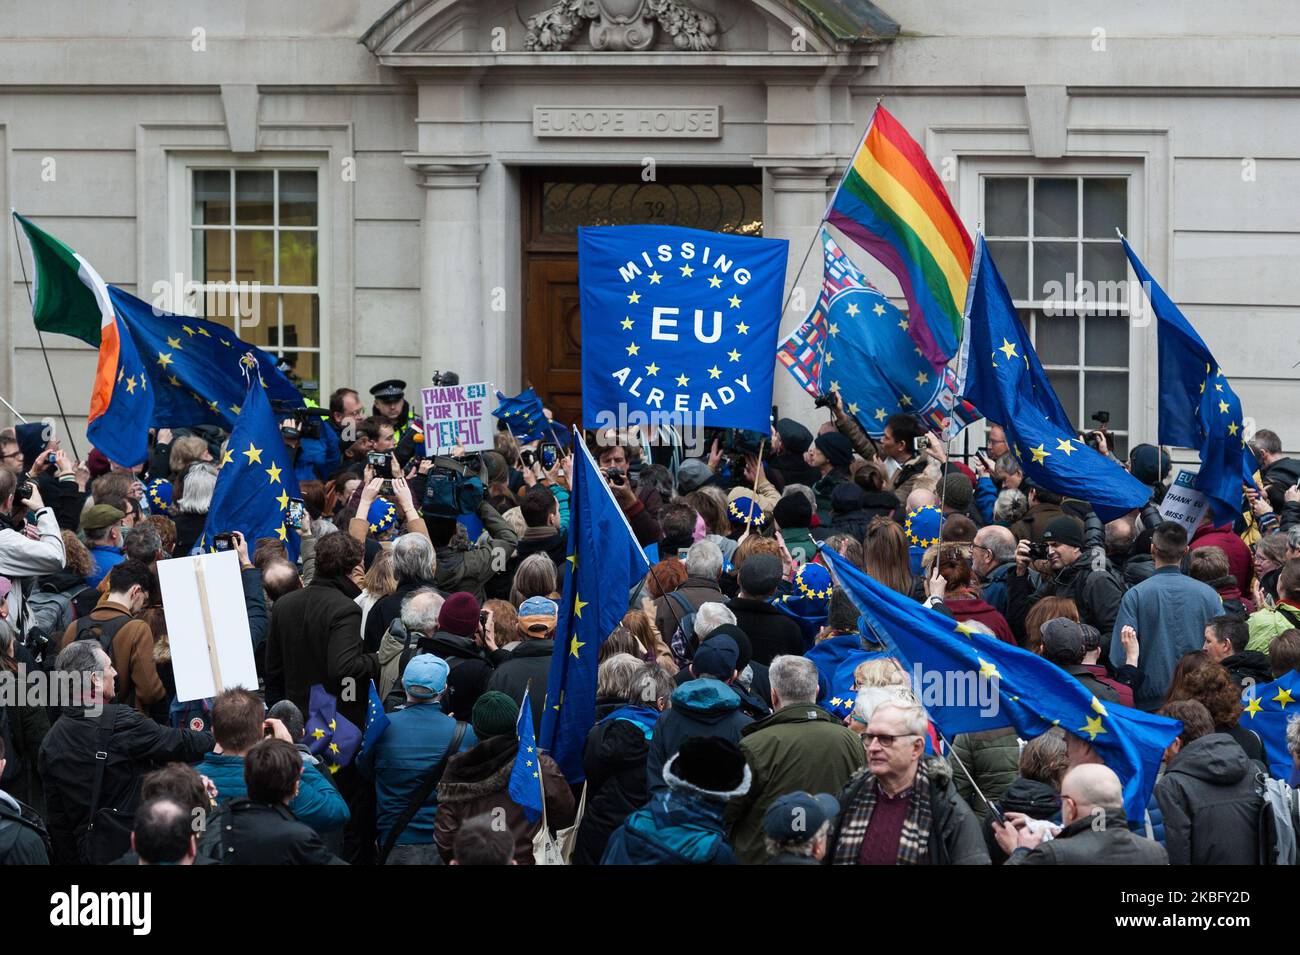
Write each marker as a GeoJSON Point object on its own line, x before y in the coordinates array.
{"type": "Point", "coordinates": [703, 570]}
{"type": "Point", "coordinates": [1095, 829]}
{"type": "Point", "coordinates": [799, 747]}
{"type": "Point", "coordinates": [414, 565]}
{"type": "Point", "coordinates": [993, 556]}
{"type": "Point", "coordinates": [417, 623]}
{"type": "Point", "coordinates": [903, 809]}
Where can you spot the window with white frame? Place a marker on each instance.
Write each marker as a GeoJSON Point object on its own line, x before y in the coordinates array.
{"type": "Point", "coordinates": [255, 240]}
{"type": "Point", "coordinates": [1054, 241]}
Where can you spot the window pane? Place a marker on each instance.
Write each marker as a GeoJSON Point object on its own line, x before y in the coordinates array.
{"type": "Point", "coordinates": [1105, 262]}
{"type": "Point", "coordinates": [1105, 207]}
{"type": "Point", "coordinates": [212, 197]}
{"type": "Point", "coordinates": [244, 310]}
{"type": "Point", "coordinates": [301, 321]}
{"type": "Point", "coordinates": [306, 367]}
{"type": "Point", "coordinates": [1118, 445]}
{"type": "Point", "coordinates": [1056, 339]}
{"type": "Point", "coordinates": [1055, 262]}
{"type": "Point", "coordinates": [297, 258]}
{"type": "Point", "coordinates": [1066, 386]}
{"type": "Point", "coordinates": [1107, 391]}
{"type": "Point", "coordinates": [298, 197]}
{"type": "Point", "coordinates": [1105, 341]}
{"type": "Point", "coordinates": [255, 257]}
{"type": "Point", "coordinates": [1012, 260]}
{"type": "Point", "coordinates": [211, 255]}
{"type": "Point", "coordinates": [1056, 207]}
{"type": "Point", "coordinates": [1006, 207]}
{"type": "Point", "coordinates": [254, 197]}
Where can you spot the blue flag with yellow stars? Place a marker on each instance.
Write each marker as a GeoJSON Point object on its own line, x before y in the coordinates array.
{"type": "Point", "coordinates": [523, 415]}
{"type": "Point", "coordinates": [1266, 715]}
{"type": "Point", "coordinates": [119, 427]}
{"type": "Point", "coordinates": [1198, 408]}
{"type": "Point", "coordinates": [330, 737]}
{"type": "Point", "coordinates": [968, 682]}
{"type": "Point", "coordinates": [376, 719]}
{"type": "Point", "coordinates": [256, 480]}
{"type": "Point", "coordinates": [678, 326]}
{"type": "Point", "coordinates": [855, 342]}
{"type": "Point", "coordinates": [1004, 380]}
{"type": "Point", "coordinates": [526, 774]}
{"type": "Point", "coordinates": [195, 366]}
{"type": "Point", "coordinates": [604, 564]}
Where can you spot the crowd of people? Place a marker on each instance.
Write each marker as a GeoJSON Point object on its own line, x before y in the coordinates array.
{"type": "Point", "coordinates": [717, 738]}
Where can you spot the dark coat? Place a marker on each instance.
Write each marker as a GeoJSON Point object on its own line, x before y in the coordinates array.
{"type": "Point", "coordinates": [189, 527]}
{"type": "Point", "coordinates": [315, 637]}
{"type": "Point", "coordinates": [530, 662]}
{"type": "Point", "coordinates": [1210, 804]}
{"type": "Point", "coordinates": [1249, 665]}
{"type": "Point", "coordinates": [27, 726]}
{"type": "Point", "coordinates": [1080, 843]}
{"type": "Point", "coordinates": [791, 469]}
{"type": "Point", "coordinates": [704, 707]}
{"type": "Point", "coordinates": [250, 833]}
{"type": "Point", "coordinates": [1095, 592]}
{"type": "Point", "coordinates": [697, 591]}
{"type": "Point", "coordinates": [1035, 521]}
{"type": "Point", "coordinates": [477, 781]}
{"type": "Point", "coordinates": [770, 631]}
{"type": "Point", "coordinates": [22, 834]}
{"type": "Point", "coordinates": [1028, 796]}
{"type": "Point", "coordinates": [67, 767]}
{"type": "Point", "coordinates": [386, 610]}
{"type": "Point", "coordinates": [471, 669]}
{"type": "Point", "coordinates": [614, 760]}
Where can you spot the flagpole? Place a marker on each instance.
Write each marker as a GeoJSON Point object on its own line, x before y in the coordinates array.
{"type": "Point", "coordinates": [13, 410]}
{"type": "Point", "coordinates": [41, 338]}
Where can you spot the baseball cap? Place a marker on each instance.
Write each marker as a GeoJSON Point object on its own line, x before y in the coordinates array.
{"type": "Point", "coordinates": [538, 615]}
{"type": "Point", "coordinates": [1063, 641]}
{"type": "Point", "coordinates": [716, 657]}
{"type": "Point", "coordinates": [799, 815]}
{"type": "Point", "coordinates": [425, 676]}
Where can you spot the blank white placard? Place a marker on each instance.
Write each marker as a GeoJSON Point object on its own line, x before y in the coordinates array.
{"type": "Point", "coordinates": [186, 632]}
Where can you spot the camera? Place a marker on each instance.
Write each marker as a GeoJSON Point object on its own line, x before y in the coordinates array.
{"type": "Point", "coordinates": [306, 420]}
{"type": "Point", "coordinates": [1038, 552]}
{"type": "Point", "coordinates": [1102, 418]}
{"type": "Point", "coordinates": [223, 542]}
{"type": "Point", "coordinates": [616, 476]}
{"type": "Point", "coordinates": [380, 463]}
{"type": "Point", "coordinates": [1094, 440]}
{"type": "Point", "coordinates": [22, 493]}
{"type": "Point", "coordinates": [824, 401]}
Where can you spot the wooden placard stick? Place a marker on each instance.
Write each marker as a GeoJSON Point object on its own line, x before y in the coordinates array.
{"type": "Point", "coordinates": [207, 626]}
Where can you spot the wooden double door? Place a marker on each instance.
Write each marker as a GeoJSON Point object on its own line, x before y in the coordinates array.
{"type": "Point", "coordinates": [557, 202]}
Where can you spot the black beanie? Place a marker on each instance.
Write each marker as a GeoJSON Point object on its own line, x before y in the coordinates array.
{"type": "Point", "coordinates": [793, 510]}
{"type": "Point", "coordinates": [711, 763]}
{"type": "Point", "coordinates": [795, 438]}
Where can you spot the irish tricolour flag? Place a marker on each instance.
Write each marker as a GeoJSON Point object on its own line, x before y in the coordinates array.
{"type": "Point", "coordinates": [70, 297]}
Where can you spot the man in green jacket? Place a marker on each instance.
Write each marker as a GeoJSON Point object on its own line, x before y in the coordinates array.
{"type": "Point", "coordinates": [800, 747]}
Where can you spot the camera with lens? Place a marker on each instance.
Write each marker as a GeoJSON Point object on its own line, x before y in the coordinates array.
{"type": "Point", "coordinates": [22, 493]}
{"type": "Point", "coordinates": [454, 487]}
{"type": "Point", "coordinates": [306, 421]}
{"type": "Point", "coordinates": [1102, 418]}
{"type": "Point", "coordinates": [1038, 552]}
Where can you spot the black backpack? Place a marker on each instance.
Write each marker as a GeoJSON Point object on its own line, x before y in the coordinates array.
{"type": "Point", "coordinates": [102, 630]}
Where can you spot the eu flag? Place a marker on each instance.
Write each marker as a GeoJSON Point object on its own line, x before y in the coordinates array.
{"type": "Point", "coordinates": [1007, 384]}
{"type": "Point", "coordinates": [968, 682]}
{"type": "Point", "coordinates": [523, 415]}
{"type": "Point", "coordinates": [1266, 716]}
{"type": "Point", "coordinates": [195, 366]}
{"type": "Point", "coordinates": [855, 342]}
{"type": "Point", "coordinates": [678, 326]}
{"type": "Point", "coordinates": [256, 480]}
{"type": "Point", "coordinates": [120, 426]}
{"type": "Point", "coordinates": [604, 564]}
{"type": "Point", "coordinates": [331, 737]}
{"type": "Point", "coordinates": [526, 774]}
{"type": "Point", "coordinates": [1198, 408]}
{"type": "Point", "coordinates": [376, 719]}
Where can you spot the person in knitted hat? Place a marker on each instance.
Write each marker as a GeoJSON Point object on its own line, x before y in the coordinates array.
{"type": "Point", "coordinates": [477, 781]}
{"type": "Point", "coordinates": [793, 515]}
{"type": "Point", "coordinates": [831, 454]}
{"type": "Point", "coordinates": [465, 637]}
{"type": "Point", "coordinates": [809, 600]}
{"type": "Point", "coordinates": [685, 825]}
{"type": "Point", "coordinates": [771, 632]}
{"type": "Point", "coordinates": [790, 442]}
{"type": "Point", "coordinates": [955, 494]}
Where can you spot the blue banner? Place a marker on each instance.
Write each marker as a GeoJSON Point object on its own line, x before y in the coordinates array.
{"type": "Point", "coordinates": [678, 326]}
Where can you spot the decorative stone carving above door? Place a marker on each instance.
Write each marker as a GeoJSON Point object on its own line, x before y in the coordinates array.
{"type": "Point", "coordinates": [621, 25]}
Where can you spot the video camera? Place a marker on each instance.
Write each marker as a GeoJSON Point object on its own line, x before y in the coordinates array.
{"type": "Point", "coordinates": [453, 487]}
{"type": "Point", "coordinates": [307, 421]}
{"type": "Point", "coordinates": [736, 445]}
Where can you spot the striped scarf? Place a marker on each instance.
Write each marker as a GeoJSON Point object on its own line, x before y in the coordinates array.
{"type": "Point", "coordinates": [914, 841]}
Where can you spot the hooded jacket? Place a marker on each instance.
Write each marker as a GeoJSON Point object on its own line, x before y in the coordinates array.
{"type": "Point", "coordinates": [682, 825]}
{"type": "Point", "coordinates": [1034, 799]}
{"type": "Point", "coordinates": [1240, 565]}
{"type": "Point", "coordinates": [1211, 806]}
{"type": "Point", "coordinates": [614, 761]}
{"type": "Point", "coordinates": [23, 840]}
{"type": "Point", "coordinates": [318, 804]}
{"type": "Point", "coordinates": [799, 747]}
{"type": "Point", "coordinates": [703, 707]}
{"type": "Point", "coordinates": [477, 781]}
{"type": "Point", "coordinates": [1249, 665]}
{"type": "Point", "coordinates": [1096, 593]}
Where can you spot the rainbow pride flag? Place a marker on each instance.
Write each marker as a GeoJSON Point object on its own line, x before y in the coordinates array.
{"type": "Point", "coordinates": [892, 204]}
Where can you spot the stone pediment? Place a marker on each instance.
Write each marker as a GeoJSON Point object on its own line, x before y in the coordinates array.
{"type": "Point", "coordinates": [418, 33]}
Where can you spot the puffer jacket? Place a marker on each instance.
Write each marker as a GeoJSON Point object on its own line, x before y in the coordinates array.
{"type": "Point", "coordinates": [704, 707]}
{"type": "Point", "coordinates": [477, 781]}
{"type": "Point", "coordinates": [1035, 799]}
{"type": "Point", "coordinates": [681, 825]}
{"type": "Point", "coordinates": [959, 841]}
{"type": "Point", "coordinates": [1209, 799]}
{"type": "Point", "coordinates": [993, 758]}
{"type": "Point", "coordinates": [614, 760]}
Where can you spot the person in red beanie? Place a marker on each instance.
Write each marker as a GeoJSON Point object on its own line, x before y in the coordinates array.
{"type": "Point", "coordinates": [466, 640]}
